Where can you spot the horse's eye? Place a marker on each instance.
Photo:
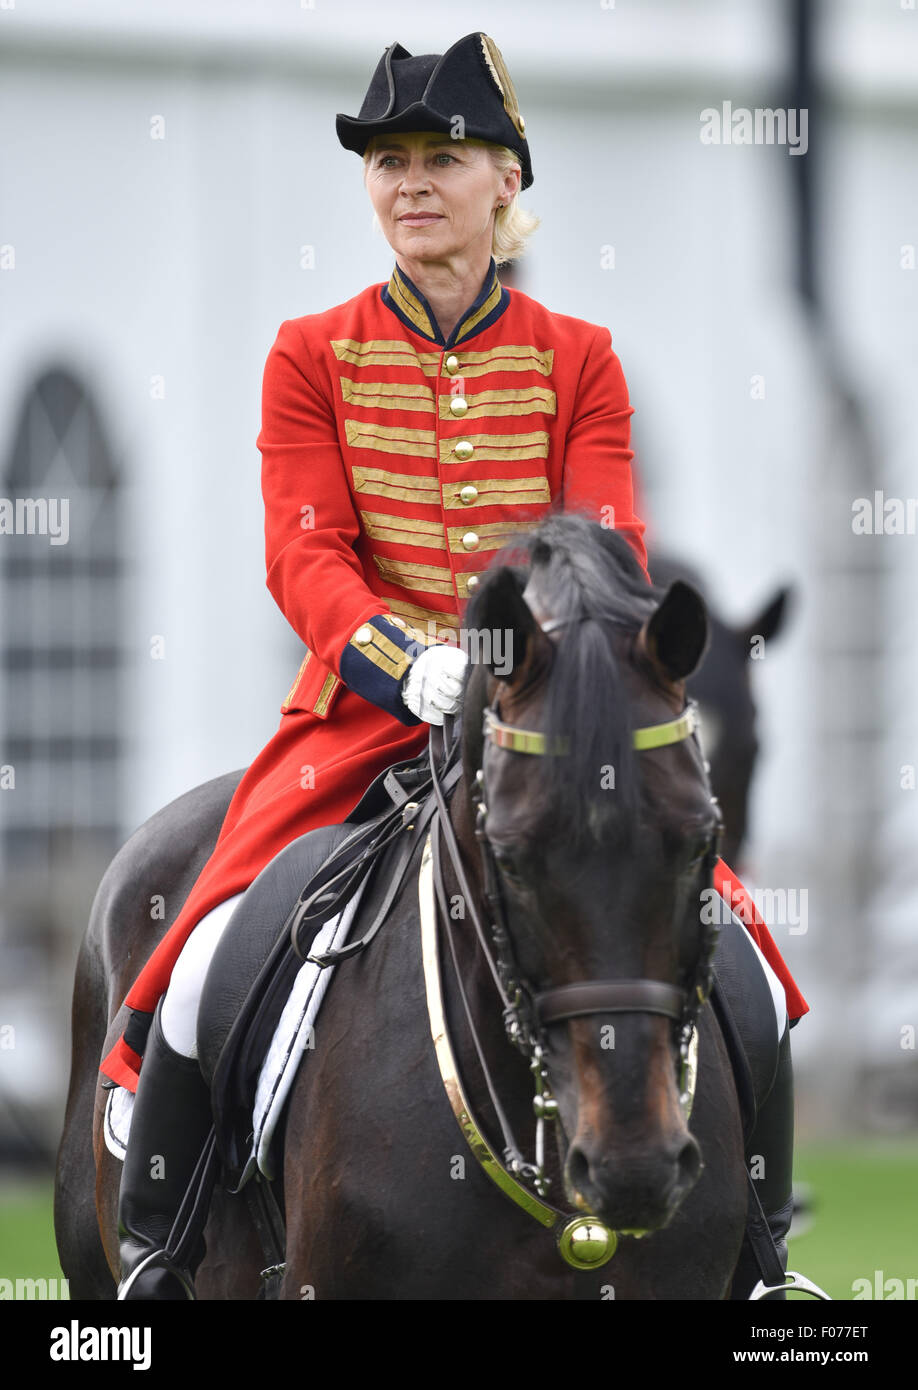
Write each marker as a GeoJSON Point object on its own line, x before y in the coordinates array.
{"type": "Point", "coordinates": [701, 853]}
{"type": "Point", "coordinates": [507, 865]}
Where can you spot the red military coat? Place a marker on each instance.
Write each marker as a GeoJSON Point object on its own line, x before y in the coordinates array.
{"type": "Point", "coordinates": [394, 464]}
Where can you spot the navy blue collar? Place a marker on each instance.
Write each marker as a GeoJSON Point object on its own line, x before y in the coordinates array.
{"type": "Point", "coordinates": [406, 301]}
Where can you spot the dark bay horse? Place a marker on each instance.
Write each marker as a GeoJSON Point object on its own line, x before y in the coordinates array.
{"type": "Point", "coordinates": [600, 854]}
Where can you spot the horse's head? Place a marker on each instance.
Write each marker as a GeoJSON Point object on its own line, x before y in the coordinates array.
{"type": "Point", "coordinates": [603, 836]}
{"type": "Point", "coordinates": [724, 689]}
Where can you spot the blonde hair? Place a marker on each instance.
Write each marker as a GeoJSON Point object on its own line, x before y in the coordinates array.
{"type": "Point", "coordinates": [513, 225]}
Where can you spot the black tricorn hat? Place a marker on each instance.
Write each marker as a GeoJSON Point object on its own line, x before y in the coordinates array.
{"type": "Point", "coordinates": [465, 91]}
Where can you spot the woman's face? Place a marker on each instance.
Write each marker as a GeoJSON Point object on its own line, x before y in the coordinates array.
{"type": "Point", "coordinates": [435, 197]}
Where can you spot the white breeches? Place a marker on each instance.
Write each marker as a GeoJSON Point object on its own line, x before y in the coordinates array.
{"type": "Point", "coordinates": [778, 997]}
{"type": "Point", "coordinates": [179, 1016]}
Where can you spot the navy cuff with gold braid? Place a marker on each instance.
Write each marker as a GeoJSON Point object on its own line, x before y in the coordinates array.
{"type": "Point", "coordinates": [375, 662]}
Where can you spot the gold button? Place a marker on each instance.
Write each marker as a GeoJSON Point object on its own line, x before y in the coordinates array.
{"type": "Point", "coordinates": [363, 636]}
{"type": "Point", "coordinates": [458, 405]}
{"type": "Point", "coordinates": [470, 540]}
{"type": "Point", "coordinates": [472, 583]}
{"type": "Point", "coordinates": [452, 364]}
{"type": "Point", "coordinates": [522, 125]}
{"type": "Point", "coordinates": [464, 449]}
{"type": "Point", "coordinates": [468, 493]}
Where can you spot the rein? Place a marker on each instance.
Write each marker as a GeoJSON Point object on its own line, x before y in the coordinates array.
{"type": "Point", "coordinates": [584, 1242]}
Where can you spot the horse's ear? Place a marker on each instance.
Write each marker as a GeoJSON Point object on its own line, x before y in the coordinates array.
{"type": "Point", "coordinates": [676, 634]}
{"type": "Point", "coordinates": [769, 622]}
{"type": "Point", "coordinates": [501, 622]}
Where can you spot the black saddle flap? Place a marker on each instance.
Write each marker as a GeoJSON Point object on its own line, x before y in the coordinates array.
{"type": "Point", "coordinates": [254, 966]}
{"type": "Point", "coordinates": [743, 1004]}
{"type": "Point", "coordinates": [256, 927]}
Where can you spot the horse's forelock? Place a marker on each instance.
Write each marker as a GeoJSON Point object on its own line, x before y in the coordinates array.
{"type": "Point", "coordinates": [586, 573]}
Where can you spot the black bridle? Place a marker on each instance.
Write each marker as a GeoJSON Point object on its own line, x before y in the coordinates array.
{"type": "Point", "coordinates": [528, 1014]}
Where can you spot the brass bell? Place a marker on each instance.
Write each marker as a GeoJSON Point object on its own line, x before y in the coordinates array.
{"type": "Point", "coordinates": [586, 1242]}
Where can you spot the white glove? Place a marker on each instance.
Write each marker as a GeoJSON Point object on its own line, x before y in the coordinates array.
{"type": "Point", "coordinates": [433, 685]}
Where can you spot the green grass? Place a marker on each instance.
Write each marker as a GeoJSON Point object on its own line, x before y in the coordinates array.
{"type": "Point", "coordinates": [27, 1247]}
{"type": "Point", "coordinates": [864, 1218]}
{"type": "Point", "coordinates": [865, 1214]}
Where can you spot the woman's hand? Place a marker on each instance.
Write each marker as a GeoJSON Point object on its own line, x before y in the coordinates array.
{"type": "Point", "coordinates": [433, 683]}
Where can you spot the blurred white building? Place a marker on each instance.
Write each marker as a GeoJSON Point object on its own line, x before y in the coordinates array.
{"type": "Point", "coordinates": [171, 189]}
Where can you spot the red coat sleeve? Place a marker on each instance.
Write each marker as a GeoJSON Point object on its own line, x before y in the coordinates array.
{"type": "Point", "coordinates": [597, 456]}
{"type": "Point", "coordinates": [313, 571]}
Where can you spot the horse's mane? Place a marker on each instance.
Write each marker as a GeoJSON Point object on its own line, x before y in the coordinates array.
{"type": "Point", "coordinates": [587, 572]}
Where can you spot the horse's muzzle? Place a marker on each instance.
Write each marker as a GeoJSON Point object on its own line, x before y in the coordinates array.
{"type": "Point", "coordinates": [638, 1190]}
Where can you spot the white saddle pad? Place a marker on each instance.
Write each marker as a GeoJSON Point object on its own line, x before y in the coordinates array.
{"type": "Point", "coordinates": [292, 1037]}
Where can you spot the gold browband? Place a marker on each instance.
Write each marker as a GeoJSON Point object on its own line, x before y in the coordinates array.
{"type": "Point", "coordinates": [532, 741]}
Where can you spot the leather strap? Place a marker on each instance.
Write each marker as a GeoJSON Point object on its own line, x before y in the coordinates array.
{"type": "Point", "coordinates": [268, 1221]}
{"type": "Point", "coordinates": [191, 1217]}
{"type": "Point", "coordinates": [739, 1062]}
{"type": "Point", "coordinates": [414, 832]}
{"type": "Point", "coordinates": [762, 1241]}
{"type": "Point", "coordinates": [610, 997]}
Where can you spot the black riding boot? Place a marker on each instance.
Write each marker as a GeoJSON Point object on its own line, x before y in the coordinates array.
{"type": "Point", "coordinates": [770, 1157]}
{"type": "Point", "coordinates": [169, 1126]}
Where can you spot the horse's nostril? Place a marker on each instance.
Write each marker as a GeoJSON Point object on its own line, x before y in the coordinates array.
{"type": "Point", "coordinates": [578, 1169]}
{"type": "Point", "coordinates": [689, 1163]}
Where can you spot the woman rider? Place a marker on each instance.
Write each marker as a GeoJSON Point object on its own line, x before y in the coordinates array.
{"type": "Point", "coordinates": [406, 435]}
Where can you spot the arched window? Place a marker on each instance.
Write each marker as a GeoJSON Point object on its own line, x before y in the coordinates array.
{"type": "Point", "coordinates": [60, 569]}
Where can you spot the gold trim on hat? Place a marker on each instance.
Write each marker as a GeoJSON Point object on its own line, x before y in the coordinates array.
{"type": "Point", "coordinates": [498, 69]}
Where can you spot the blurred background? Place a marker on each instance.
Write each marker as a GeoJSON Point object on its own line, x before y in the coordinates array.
{"type": "Point", "coordinates": [172, 189]}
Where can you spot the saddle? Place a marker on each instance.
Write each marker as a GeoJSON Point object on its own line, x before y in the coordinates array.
{"type": "Point", "coordinates": [253, 969]}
